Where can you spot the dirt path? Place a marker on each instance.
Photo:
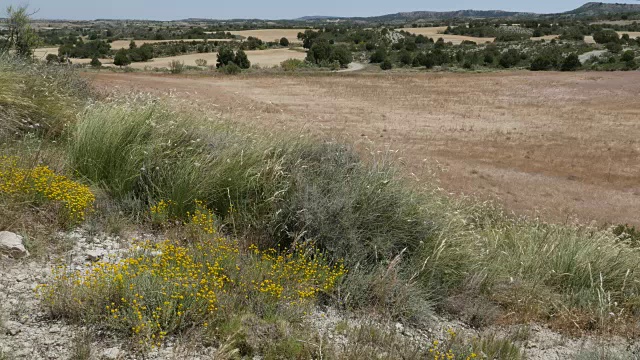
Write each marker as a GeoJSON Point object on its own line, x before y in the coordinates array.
{"type": "Point", "coordinates": [354, 66]}
{"type": "Point", "coordinates": [549, 144]}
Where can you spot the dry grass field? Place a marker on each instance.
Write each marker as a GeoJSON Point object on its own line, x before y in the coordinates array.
{"type": "Point", "coordinates": [437, 32]}
{"type": "Point", "coordinates": [552, 144]}
{"type": "Point", "coordinates": [272, 34]}
{"type": "Point", "coordinates": [264, 58]}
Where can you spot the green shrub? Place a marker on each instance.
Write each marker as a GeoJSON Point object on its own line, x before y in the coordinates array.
{"type": "Point", "coordinates": [231, 69]}
{"type": "Point", "coordinates": [95, 63]}
{"type": "Point", "coordinates": [284, 42]}
{"type": "Point", "coordinates": [292, 64]}
{"type": "Point", "coordinates": [386, 65]}
{"type": "Point", "coordinates": [571, 63]}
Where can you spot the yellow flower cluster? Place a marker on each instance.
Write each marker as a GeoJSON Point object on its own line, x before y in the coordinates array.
{"type": "Point", "coordinates": [165, 288]}
{"type": "Point", "coordinates": [42, 184]}
{"type": "Point", "coordinates": [441, 351]}
{"type": "Point", "coordinates": [202, 218]}
{"type": "Point", "coordinates": [298, 269]}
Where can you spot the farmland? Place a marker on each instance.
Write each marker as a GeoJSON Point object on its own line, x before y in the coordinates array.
{"type": "Point", "coordinates": [554, 145]}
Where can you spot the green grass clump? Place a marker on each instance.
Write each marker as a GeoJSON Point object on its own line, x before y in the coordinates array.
{"type": "Point", "coordinates": [36, 98]}
{"type": "Point", "coordinates": [405, 248]}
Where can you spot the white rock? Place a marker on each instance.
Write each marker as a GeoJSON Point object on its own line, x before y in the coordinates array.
{"type": "Point", "coordinates": [11, 244]}
{"type": "Point", "coordinates": [111, 353]}
{"type": "Point", "coordinates": [96, 255]}
{"type": "Point", "coordinates": [12, 328]}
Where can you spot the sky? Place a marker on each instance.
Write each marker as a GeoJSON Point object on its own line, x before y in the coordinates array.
{"type": "Point", "coordinates": [273, 9]}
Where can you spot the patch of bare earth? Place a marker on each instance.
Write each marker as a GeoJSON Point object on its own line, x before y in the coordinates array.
{"type": "Point", "coordinates": [549, 144]}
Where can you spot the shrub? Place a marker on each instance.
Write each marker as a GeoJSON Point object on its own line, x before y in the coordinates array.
{"type": "Point", "coordinates": [292, 64]}
{"type": "Point", "coordinates": [201, 62]}
{"type": "Point", "coordinates": [571, 63]}
{"type": "Point", "coordinates": [225, 56]}
{"type": "Point", "coordinates": [542, 63]}
{"type": "Point", "coordinates": [405, 57]}
{"type": "Point", "coordinates": [628, 56]}
{"type": "Point", "coordinates": [386, 65]}
{"type": "Point", "coordinates": [284, 42]}
{"type": "Point", "coordinates": [606, 36]}
{"type": "Point", "coordinates": [614, 47]}
{"type": "Point", "coordinates": [41, 185]}
{"type": "Point", "coordinates": [379, 55]}
{"type": "Point", "coordinates": [95, 63]}
{"type": "Point", "coordinates": [510, 58]}
{"type": "Point", "coordinates": [52, 58]}
{"type": "Point", "coordinates": [176, 66]}
{"type": "Point", "coordinates": [164, 289]}
{"type": "Point", "coordinates": [241, 60]}
{"type": "Point", "coordinates": [121, 58]}
{"type": "Point", "coordinates": [231, 69]}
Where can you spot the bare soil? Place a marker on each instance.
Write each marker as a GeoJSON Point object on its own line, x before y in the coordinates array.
{"type": "Point", "coordinates": [555, 145]}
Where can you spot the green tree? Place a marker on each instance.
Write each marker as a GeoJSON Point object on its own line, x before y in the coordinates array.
{"type": "Point", "coordinates": [225, 56]}
{"type": "Point", "coordinates": [20, 35]}
{"type": "Point", "coordinates": [132, 45]}
{"type": "Point", "coordinates": [95, 63]}
{"type": "Point", "coordinates": [405, 57]}
{"type": "Point", "coordinates": [341, 54]}
{"type": "Point", "coordinates": [379, 55]}
{"type": "Point", "coordinates": [121, 58]}
{"type": "Point", "coordinates": [571, 63]}
{"type": "Point", "coordinates": [606, 36]}
{"type": "Point", "coordinates": [242, 60]}
{"type": "Point", "coordinates": [284, 42]}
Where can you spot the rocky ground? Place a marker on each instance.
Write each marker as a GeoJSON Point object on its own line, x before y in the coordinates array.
{"type": "Point", "coordinates": [27, 333]}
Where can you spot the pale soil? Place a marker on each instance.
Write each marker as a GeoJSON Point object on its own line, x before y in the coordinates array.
{"type": "Point", "coordinates": [264, 58]}
{"type": "Point", "coordinates": [437, 32]}
{"type": "Point", "coordinates": [271, 34]}
{"type": "Point", "coordinates": [562, 144]}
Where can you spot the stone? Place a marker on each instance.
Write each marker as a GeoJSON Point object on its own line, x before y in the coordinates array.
{"type": "Point", "coordinates": [96, 255]}
{"type": "Point", "coordinates": [11, 245]}
{"type": "Point", "coordinates": [111, 353]}
{"type": "Point", "coordinates": [12, 328]}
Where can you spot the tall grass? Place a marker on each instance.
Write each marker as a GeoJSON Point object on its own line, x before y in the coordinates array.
{"type": "Point", "coordinates": [37, 98]}
{"type": "Point", "coordinates": [405, 248]}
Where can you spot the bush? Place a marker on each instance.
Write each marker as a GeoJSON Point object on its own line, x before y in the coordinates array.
{"type": "Point", "coordinates": [386, 65]}
{"type": "Point", "coordinates": [571, 63]}
{"type": "Point", "coordinates": [121, 58]}
{"type": "Point", "coordinates": [176, 66]}
{"type": "Point", "coordinates": [225, 56]}
{"type": "Point", "coordinates": [166, 289]}
{"type": "Point", "coordinates": [292, 64]}
{"type": "Point", "coordinates": [542, 63]}
{"type": "Point", "coordinates": [52, 58]}
{"type": "Point", "coordinates": [40, 185]}
{"type": "Point", "coordinates": [95, 63]}
{"type": "Point", "coordinates": [379, 55]}
{"type": "Point", "coordinates": [510, 58]}
{"type": "Point", "coordinates": [241, 60]}
{"type": "Point", "coordinates": [628, 56]}
{"type": "Point", "coordinates": [284, 42]}
{"type": "Point", "coordinates": [614, 47]}
{"type": "Point", "coordinates": [231, 69]}
{"type": "Point", "coordinates": [606, 36]}
{"type": "Point", "coordinates": [201, 62]}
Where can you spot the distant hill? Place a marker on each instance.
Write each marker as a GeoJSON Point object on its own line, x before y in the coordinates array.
{"type": "Point", "coordinates": [598, 8]}
{"type": "Point", "coordinates": [588, 9]}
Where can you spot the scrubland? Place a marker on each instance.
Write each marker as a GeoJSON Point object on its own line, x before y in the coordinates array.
{"type": "Point", "coordinates": [254, 228]}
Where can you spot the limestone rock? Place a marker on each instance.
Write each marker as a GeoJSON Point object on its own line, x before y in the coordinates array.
{"type": "Point", "coordinates": [11, 244]}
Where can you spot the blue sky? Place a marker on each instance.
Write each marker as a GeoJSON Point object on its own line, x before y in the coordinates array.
{"type": "Point", "coordinates": [273, 9]}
